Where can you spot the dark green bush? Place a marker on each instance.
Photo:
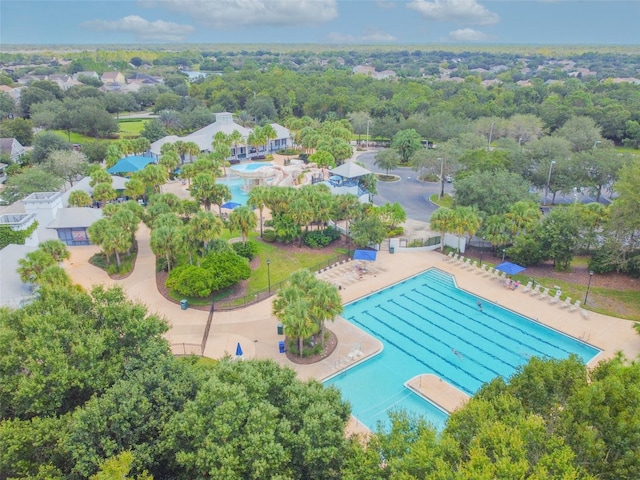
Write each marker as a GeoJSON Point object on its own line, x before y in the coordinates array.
{"type": "Point", "coordinates": [269, 236]}
{"type": "Point", "coordinates": [321, 238]}
{"type": "Point", "coordinates": [190, 280]}
{"type": "Point", "coordinates": [394, 232]}
{"type": "Point", "coordinates": [247, 250]}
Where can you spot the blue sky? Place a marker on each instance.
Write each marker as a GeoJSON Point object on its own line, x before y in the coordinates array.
{"type": "Point", "coordinates": [552, 22]}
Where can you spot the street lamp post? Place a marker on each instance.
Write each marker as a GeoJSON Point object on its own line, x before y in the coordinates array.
{"type": "Point", "coordinates": [586, 295]}
{"type": "Point", "coordinates": [368, 122]}
{"type": "Point", "coordinates": [481, 251]}
{"type": "Point", "coordinates": [269, 275]}
{"type": "Point", "coordinates": [490, 136]}
{"type": "Point", "coordinates": [441, 177]}
{"type": "Point", "coordinates": [546, 187]}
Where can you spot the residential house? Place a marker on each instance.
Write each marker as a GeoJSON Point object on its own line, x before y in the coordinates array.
{"type": "Point", "coordinates": [144, 79]}
{"type": "Point", "coordinates": [3, 174]}
{"type": "Point", "coordinates": [65, 82]}
{"type": "Point", "coordinates": [12, 148]}
{"type": "Point", "coordinates": [113, 77]}
{"type": "Point", "coordinates": [71, 224]}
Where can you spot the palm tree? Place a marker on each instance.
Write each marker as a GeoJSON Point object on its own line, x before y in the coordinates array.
{"type": "Point", "coordinates": [522, 216]}
{"type": "Point", "coordinates": [235, 138]}
{"type": "Point", "coordinates": [269, 133]}
{"type": "Point", "coordinates": [325, 305]}
{"type": "Point", "coordinates": [301, 213]}
{"type": "Point", "coordinates": [57, 249]}
{"type": "Point", "coordinates": [100, 176]}
{"type": "Point", "coordinates": [192, 149]}
{"type": "Point", "coordinates": [30, 267]}
{"type": "Point", "coordinates": [104, 192]}
{"type": "Point", "coordinates": [79, 198]}
{"type": "Point", "coordinates": [442, 220]}
{"type": "Point", "coordinates": [202, 228]}
{"type": "Point", "coordinates": [170, 161]}
{"type": "Point", "coordinates": [219, 195]}
{"type": "Point", "coordinates": [465, 220]}
{"type": "Point", "coordinates": [202, 189]}
{"type": "Point", "coordinates": [134, 188]}
{"type": "Point", "coordinates": [494, 229]}
{"type": "Point", "coordinates": [244, 220]}
{"type": "Point", "coordinates": [258, 199]}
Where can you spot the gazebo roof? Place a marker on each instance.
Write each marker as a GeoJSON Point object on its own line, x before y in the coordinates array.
{"type": "Point", "coordinates": [350, 170]}
{"type": "Point", "coordinates": [131, 164]}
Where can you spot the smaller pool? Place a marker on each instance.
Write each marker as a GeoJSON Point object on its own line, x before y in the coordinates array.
{"type": "Point", "coordinates": [250, 167]}
{"type": "Point", "coordinates": [235, 185]}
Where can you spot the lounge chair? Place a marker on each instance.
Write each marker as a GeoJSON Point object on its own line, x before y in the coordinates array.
{"type": "Point", "coordinates": [528, 287]}
{"type": "Point", "coordinates": [575, 306]}
{"type": "Point", "coordinates": [566, 303]}
{"type": "Point", "coordinates": [556, 298]}
{"type": "Point", "coordinates": [490, 272]}
{"type": "Point", "coordinates": [536, 290]}
{"type": "Point", "coordinates": [449, 257]}
{"type": "Point", "coordinates": [474, 265]}
{"type": "Point", "coordinates": [482, 269]}
{"type": "Point", "coordinates": [544, 294]}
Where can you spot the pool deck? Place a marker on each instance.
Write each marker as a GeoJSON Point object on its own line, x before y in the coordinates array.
{"type": "Point", "coordinates": [255, 328]}
{"type": "Point", "coordinates": [438, 391]}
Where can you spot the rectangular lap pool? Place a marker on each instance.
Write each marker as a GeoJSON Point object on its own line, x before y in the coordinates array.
{"type": "Point", "coordinates": [428, 325]}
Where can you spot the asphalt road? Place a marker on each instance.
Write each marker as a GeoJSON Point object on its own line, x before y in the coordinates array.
{"type": "Point", "coordinates": [412, 194]}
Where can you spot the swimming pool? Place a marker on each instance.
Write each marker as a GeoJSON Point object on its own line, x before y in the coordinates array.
{"type": "Point", "coordinates": [250, 167]}
{"type": "Point", "coordinates": [428, 325]}
{"type": "Point", "coordinates": [235, 185]}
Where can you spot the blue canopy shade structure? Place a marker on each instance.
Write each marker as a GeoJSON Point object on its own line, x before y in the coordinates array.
{"type": "Point", "coordinates": [238, 350]}
{"type": "Point", "coordinates": [230, 205]}
{"type": "Point", "coordinates": [365, 255]}
{"type": "Point", "coordinates": [131, 164]}
{"type": "Point", "coordinates": [510, 268]}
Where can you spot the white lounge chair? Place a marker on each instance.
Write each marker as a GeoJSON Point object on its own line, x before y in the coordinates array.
{"type": "Point", "coordinates": [490, 272]}
{"type": "Point", "coordinates": [575, 306]}
{"type": "Point", "coordinates": [544, 294]}
{"type": "Point", "coordinates": [474, 265]}
{"type": "Point", "coordinates": [556, 298]}
{"type": "Point", "coordinates": [449, 257]}
{"type": "Point", "coordinates": [536, 290]}
{"type": "Point", "coordinates": [528, 287]}
{"type": "Point", "coordinates": [566, 303]}
{"type": "Point", "coordinates": [481, 269]}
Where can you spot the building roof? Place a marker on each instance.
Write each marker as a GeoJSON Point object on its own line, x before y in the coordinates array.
{"type": "Point", "coordinates": [350, 170]}
{"type": "Point", "coordinates": [131, 164]}
{"type": "Point", "coordinates": [75, 217]}
{"type": "Point", "coordinates": [12, 291]}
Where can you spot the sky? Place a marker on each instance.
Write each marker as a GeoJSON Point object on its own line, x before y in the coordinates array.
{"type": "Point", "coordinates": [465, 22]}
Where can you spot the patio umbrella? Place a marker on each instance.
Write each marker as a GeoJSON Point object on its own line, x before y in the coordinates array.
{"type": "Point", "coordinates": [238, 350]}
{"type": "Point", "coordinates": [510, 268]}
{"type": "Point", "coordinates": [230, 205]}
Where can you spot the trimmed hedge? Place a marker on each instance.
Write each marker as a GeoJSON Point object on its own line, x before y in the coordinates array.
{"type": "Point", "coordinates": [321, 238]}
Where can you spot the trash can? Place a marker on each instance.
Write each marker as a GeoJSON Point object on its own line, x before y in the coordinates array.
{"type": "Point", "coordinates": [280, 329]}
{"type": "Point", "coordinates": [392, 249]}
{"type": "Point", "coordinates": [184, 304]}
{"type": "Point", "coordinates": [281, 346]}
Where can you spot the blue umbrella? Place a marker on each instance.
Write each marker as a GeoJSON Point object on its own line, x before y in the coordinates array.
{"type": "Point", "coordinates": [510, 268]}
{"type": "Point", "coordinates": [238, 350]}
{"type": "Point", "coordinates": [230, 205]}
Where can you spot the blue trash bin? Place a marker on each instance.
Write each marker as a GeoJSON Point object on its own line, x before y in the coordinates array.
{"type": "Point", "coordinates": [281, 346]}
{"type": "Point", "coordinates": [184, 304]}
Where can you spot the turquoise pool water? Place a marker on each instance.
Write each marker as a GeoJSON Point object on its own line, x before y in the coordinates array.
{"type": "Point", "coordinates": [250, 167]}
{"type": "Point", "coordinates": [235, 185]}
{"type": "Point", "coordinates": [421, 322]}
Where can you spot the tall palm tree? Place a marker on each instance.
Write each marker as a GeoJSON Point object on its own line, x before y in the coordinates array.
{"type": "Point", "coordinates": [192, 149]}
{"type": "Point", "coordinates": [258, 199]}
{"type": "Point", "coordinates": [326, 303]}
{"type": "Point", "coordinates": [522, 216]}
{"type": "Point", "coordinates": [202, 189]}
{"type": "Point", "coordinates": [30, 267]}
{"type": "Point", "coordinates": [465, 221]}
{"type": "Point", "coordinates": [243, 220]}
{"type": "Point", "coordinates": [79, 198]}
{"type": "Point", "coordinates": [269, 133]}
{"type": "Point", "coordinates": [202, 228]}
{"type": "Point", "coordinates": [219, 195]}
{"type": "Point", "coordinates": [301, 213]}
{"type": "Point", "coordinates": [442, 220]}
{"type": "Point", "coordinates": [235, 138]}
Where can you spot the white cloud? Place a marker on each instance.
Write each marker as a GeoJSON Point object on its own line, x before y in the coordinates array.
{"type": "Point", "coordinates": [230, 14]}
{"type": "Point", "coordinates": [467, 35]}
{"type": "Point", "coordinates": [370, 36]}
{"type": "Point", "coordinates": [145, 30]}
{"type": "Point", "coordinates": [466, 12]}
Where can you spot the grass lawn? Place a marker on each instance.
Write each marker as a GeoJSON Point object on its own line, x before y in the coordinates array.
{"type": "Point", "coordinates": [131, 127]}
{"type": "Point", "coordinates": [446, 201]}
{"type": "Point", "coordinates": [283, 263]}
{"type": "Point", "coordinates": [76, 137]}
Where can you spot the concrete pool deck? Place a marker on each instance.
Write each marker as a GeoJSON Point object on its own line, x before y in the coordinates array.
{"type": "Point", "coordinates": [256, 328]}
